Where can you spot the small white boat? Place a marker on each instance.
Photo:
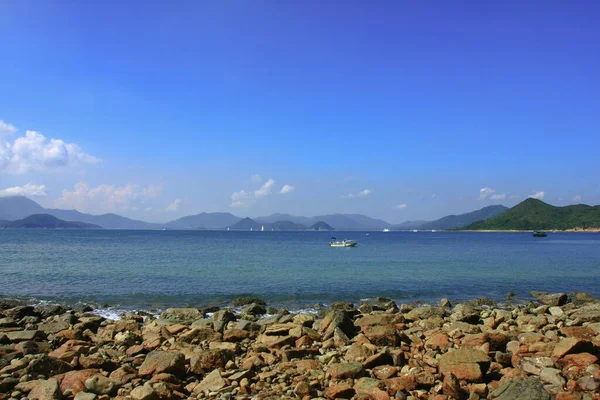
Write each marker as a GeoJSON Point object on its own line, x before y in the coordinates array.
{"type": "Point", "coordinates": [414, 230]}
{"type": "Point", "coordinates": [343, 243]}
{"type": "Point", "coordinates": [387, 230]}
{"type": "Point", "coordinates": [262, 229]}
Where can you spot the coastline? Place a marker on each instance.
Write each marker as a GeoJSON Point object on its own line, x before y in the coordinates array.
{"type": "Point", "coordinates": [576, 230]}
{"type": "Point", "coordinates": [376, 350]}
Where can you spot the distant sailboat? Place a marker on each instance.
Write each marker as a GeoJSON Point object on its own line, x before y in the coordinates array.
{"type": "Point", "coordinates": [262, 229]}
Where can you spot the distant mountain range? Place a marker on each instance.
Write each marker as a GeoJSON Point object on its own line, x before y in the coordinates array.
{"type": "Point", "coordinates": [248, 224]}
{"type": "Point", "coordinates": [46, 221]}
{"type": "Point", "coordinates": [533, 214]}
{"type": "Point", "coordinates": [18, 207]}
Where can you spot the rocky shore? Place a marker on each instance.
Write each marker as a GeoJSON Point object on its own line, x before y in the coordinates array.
{"type": "Point", "coordinates": [546, 349]}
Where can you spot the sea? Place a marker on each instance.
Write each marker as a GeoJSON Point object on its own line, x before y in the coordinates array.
{"type": "Point", "coordinates": [118, 270]}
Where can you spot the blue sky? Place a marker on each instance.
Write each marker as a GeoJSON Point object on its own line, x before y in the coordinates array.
{"type": "Point", "coordinates": [356, 106]}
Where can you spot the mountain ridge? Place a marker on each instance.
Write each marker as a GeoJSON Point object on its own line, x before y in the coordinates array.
{"type": "Point", "coordinates": [47, 221]}
{"type": "Point", "coordinates": [534, 214]}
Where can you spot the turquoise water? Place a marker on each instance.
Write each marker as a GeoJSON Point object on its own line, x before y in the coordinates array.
{"type": "Point", "coordinates": [157, 269]}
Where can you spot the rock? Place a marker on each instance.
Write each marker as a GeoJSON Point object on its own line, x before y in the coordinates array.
{"type": "Point", "coordinates": [467, 364]}
{"type": "Point", "coordinates": [451, 386]}
{"type": "Point", "coordinates": [21, 336]}
{"type": "Point", "coordinates": [568, 345]}
{"type": "Point", "coordinates": [20, 312]}
{"type": "Point", "coordinates": [244, 301]}
{"type": "Point", "coordinates": [364, 386]}
{"type": "Point", "coordinates": [47, 367]}
{"type": "Point", "coordinates": [53, 327]}
{"type": "Point", "coordinates": [212, 382]}
{"type": "Point", "coordinates": [302, 389]}
{"type": "Point", "coordinates": [336, 319]}
{"type": "Point", "coordinates": [581, 360]}
{"type": "Point", "coordinates": [465, 313]}
{"type": "Point", "coordinates": [123, 374]}
{"type": "Point", "coordinates": [28, 347]}
{"type": "Point", "coordinates": [521, 389]}
{"type": "Point", "coordinates": [339, 390]}
{"type": "Point", "coordinates": [254, 309]}
{"type": "Point", "coordinates": [552, 376]}
{"type": "Point", "coordinates": [208, 360]}
{"type": "Point", "coordinates": [85, 396]}
{"type": "Point", "coordinates": [162, 361]}
{"type": "Point", "coordinates": [75, 380]}
{"type": "Point", "coordinates": [144, 392]}
{"type": "Point", "coordinates": [533, 365]}
{"type": "Point", "coordinates": [588, 383]}
{"type": "Point", "coordinates": [45, 390]}
{"type": "Point", "coordinates": [555, 299]}
{"type": "Point", "coordinates": [100, 385]}
{"type": "Point", "coordinates": [49, 310]}
{"type": "Point", "coordinates": [382, 335]}
{"type": "Point", "coordinates": [345, 370]}
{"type": "Point", "coordinates": [424, 312]}
{"type": "Point", "coordinates": [182, 315]}
{"type": "Point", "coordinates": [223, 316]}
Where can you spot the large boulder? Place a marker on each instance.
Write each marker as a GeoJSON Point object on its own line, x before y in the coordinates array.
{"type": "Point", "coordinates": [465, 313]}
{"type": "Point", "coordinates": [45, 390]}
{"type": "Point", "coordinates": [554, 299]}
{"type": "Point", "coordinates": [468, 364]}
{"type": "Point", "coordinates": [209, 360]}
{"type": "Point", "coordinates": [47, 366]}
{"type": "Point", "coordinates": [336, 319]}
{"type": "Point", "coordinates": [424, 312]}
{"type": "Point", "coordinates": [521, 389]}
{"type": "Point", "coordinates": [211, 382]}
{"type": "Point", "coordinates": [159, 361]}
{"type": "Point", "coordinates": [346, 370]}
{"type": "Point", "coordinates": [182, 315]}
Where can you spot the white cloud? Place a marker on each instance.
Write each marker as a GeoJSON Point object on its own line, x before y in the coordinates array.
{"type": "Point", "coordinates": [498, 196]}
{"type": "Point", "coordinates": [153, 191]}
{"type": "Point", "coordinates": [28, 190]}
{"type": "Point", "coordinates": [401, 206]}
{"type": "Point", "coordinates": [485, 193]}
{"type": "Point", "coordinates": [265, 189]}
{"type": "Point", "coordinates": [362, 193]}
{"type": "Point", "coordinates": [35, 152]}
{"type": "Point", "coordinates": [577, 197]}
{"type": "Point", "coordinates": [104, 198]}
{"type": "Point", "coordinates": [174, 206]}
{"type": "Point", "coordinates": [7, 128]}
{"type": "Point", "coordinates": [256, 179]}
{"type": "Point", "coordinates": [537, 195]}
{"type": "Point", "coordinates": [286, 189]}
{"type": "Point", "coordinates": [245, 199]}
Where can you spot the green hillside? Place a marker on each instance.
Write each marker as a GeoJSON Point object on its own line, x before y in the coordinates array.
{"type": "Point", "coordinates": [534, 214]}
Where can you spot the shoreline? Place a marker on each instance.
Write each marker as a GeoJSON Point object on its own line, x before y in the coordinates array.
{"type": "Point", "coordinates": [380, 350]}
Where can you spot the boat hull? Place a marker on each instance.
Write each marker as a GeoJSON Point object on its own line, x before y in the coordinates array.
{"type": "Point", "coordinates": [350, 244]}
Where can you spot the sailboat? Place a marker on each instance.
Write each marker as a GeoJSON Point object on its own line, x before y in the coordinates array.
{"type": "Point", "coordinates": [262, 229]}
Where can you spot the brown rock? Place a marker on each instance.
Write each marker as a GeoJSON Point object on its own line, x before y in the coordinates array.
{"type": "Point", "coordinates": [75, 380]}
{"type": "Point", "coordinates": [345, 370]}
{"type": "Point", "coordinates": [364, 386]}
{"type": "Point", "coordinates": [400, 383]}
{"type": "Point", "coordinates": [568, 345]}
{"type": "Point", "coordinates": [382, 335]}
{"type": "Point", "coordinates": [47, 366]}
{"type": "Point", "coordinates": [358, 352]}
{"type": "Point", "coordinates": [581, 360]}
{"type": "Point", "coordinates": [235, 335]}
{"type": "Point", "coordinates": [208, 360]}
{"type": "Point", "coordinates": [468, 364]}
{"type": "Point", "coordinates": [475, 340]}
{"type": "Point", "coordinates": [123, 374]}
{"type": "Point", "coordinates": [384, 371]}
{"type": "Point", "coordinates": [200, 335]}
{"type": "Point", "coordinates": [210, 383]}
{"type": "Point", "coordinates": [339, 390]}
{"type": "Point", "coordinates": [162, 361]}
{"type": "Point", "coordinates": [438, 340]}
{"type": "Point", "coordinates": [70, 350]}
{"type": "Point", "coordinates": [451, 386]}
{"type": "Point", "coordinates": [578, 332]}
{"type": "Point", "coordinates": [307, 365]}
{"type": "Point", "coordinates": [45, 390]}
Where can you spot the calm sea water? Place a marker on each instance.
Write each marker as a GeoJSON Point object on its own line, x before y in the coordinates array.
{"type": "Point", "coordinates": [157, 269]}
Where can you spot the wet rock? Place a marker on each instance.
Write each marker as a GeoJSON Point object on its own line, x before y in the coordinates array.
{"type": "Point", "coordinates": [555, 299]}
{"type": "Point", "coordinates": [424, 312]}
{"type": "Point", "coordinates": [244, 301]}
{"type": "Point", "coordinates": [162, 361]}
{"type": "Point", "coordinates": [521, 389]}
{"type": "Point", "coordinates": [182, 315]}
